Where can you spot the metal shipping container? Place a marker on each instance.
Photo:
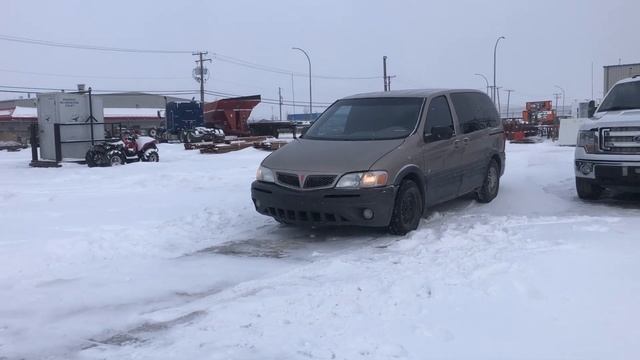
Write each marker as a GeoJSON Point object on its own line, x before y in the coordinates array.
{"type": "Point", "coordinates": [66, 108]}
{"type": "Point", "coordinates": [615, 73]}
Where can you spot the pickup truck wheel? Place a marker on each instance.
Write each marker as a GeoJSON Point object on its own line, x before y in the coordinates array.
{"type": "Point", "coordinates": [490, 185]}
{"type": "Point", "coordinates": [587, 190]}
{"type": "Point", "coordinates": [407, 210]}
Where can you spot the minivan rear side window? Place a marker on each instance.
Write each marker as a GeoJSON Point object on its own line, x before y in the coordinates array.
{"type": "Point", "coordinates": [475, 111]}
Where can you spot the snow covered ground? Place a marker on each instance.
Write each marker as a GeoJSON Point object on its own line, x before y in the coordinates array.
{"type": "Point", "coordinates": [170, 261]}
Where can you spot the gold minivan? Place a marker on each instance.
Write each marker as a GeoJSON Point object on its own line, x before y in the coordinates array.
{"type": "Point", "coordinates": [380, 159]}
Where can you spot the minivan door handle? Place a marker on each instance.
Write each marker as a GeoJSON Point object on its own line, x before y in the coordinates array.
{"type": "Point", "coordinates": [465, 140]}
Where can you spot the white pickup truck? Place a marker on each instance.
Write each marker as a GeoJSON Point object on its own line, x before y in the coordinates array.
{"type": "Point", "coordinates": [607, 153]}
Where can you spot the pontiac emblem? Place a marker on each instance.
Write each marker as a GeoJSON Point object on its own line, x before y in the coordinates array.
{"type": "Point", "coordinates": [301, 177]}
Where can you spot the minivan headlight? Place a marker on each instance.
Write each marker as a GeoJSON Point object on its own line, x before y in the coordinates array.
{"type": "Point", "coordinates": [265, 174]}
{"type": "Point", "coordinates": [361, 180]}
{"type": "Point", "coordinates": [587, 139]}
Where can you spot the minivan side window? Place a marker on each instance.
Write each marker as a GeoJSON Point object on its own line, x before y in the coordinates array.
{"type": "Point", "coordinates": [475, 111]}
{"type": "Point", "coordinates": [439, 125]}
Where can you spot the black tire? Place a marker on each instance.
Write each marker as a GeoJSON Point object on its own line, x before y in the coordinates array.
{"type": "Point", "coordinates": [153, 132]}
{"type": "Point", "coordinates": [587, 190]}
{"type": "Point", "coordinates": [91, 158]}
{"type": "Point", "coordinates": [152, 156]}
{"type": "Point", "coordinates": [407, 209]}
{"type": "Point", "coordinates": [490, 185]}
{"type": "Point", "coordinates": [115, 158]}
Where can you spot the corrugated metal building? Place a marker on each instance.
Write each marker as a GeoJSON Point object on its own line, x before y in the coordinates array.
{"type": "Point", "coordinates": [615, 73]}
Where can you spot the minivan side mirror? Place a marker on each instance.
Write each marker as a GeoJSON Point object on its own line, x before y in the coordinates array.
{"type": "Point", "coordinates": [592, 109]}
{"type": "Point", "coordinates": [439, 133]}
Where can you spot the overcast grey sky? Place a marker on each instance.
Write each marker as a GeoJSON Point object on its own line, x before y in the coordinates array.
{"type": "Point", "coordinates": [429, 44]}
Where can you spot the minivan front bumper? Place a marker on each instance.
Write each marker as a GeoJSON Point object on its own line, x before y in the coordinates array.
{"type": "Point", "coordinates": [324, 207]}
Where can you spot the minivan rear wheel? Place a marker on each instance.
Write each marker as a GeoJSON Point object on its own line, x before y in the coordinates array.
{"type": "Point", "coordinates": [491, 184]}
{"type": "Point", "coordinates": [407, 210]}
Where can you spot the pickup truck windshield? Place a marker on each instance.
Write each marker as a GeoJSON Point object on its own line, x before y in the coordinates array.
{"type": "Point", "coordinates": [367, 119]}
{"type": "Point", "coordinates": [623, 96]}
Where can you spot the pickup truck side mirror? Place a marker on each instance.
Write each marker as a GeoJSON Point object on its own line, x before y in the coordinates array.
{"type": "Point", "coordinates": [438, 133]}
{"type": "Point", "coordinates": [592, 109]}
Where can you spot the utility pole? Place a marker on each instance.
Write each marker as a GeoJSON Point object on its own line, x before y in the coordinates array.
{"type": "Point", "coordinates": [280, 101]}
{"type": "Point", "coordinates": [200, 69]}
{"type": "Point", "coordinates": [509, 91]}
{"type": "Point", "coordinates": [384, 73]}
{"type": "Point", "coordinates": [498, 96]}
{"type": "Point", "coordinates": [563, 96]}
{"type": "Point", "coordinates": [293, 94]}
{"type": "Point", "coordinates": [389, 77]}
{"type": "Point", "coordinates": [557, 96]}
{"type": "Point", "coordinates": [592, 80]}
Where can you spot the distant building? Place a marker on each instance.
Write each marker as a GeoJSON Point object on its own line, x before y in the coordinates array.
{"type": "Point", "coordinates": [615, 73]}
{"type": "Point", "coordinates": [131, 110]}
{"type": "Point", "coordinates": [115, 100]}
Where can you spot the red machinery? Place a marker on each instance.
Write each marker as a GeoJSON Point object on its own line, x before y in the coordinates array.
{"type": "Point", "coordinates": [231, 114]}
{"type": "Point", "coordinates": [539, 113]}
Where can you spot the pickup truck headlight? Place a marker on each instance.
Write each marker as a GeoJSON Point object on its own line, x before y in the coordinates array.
{"type": "Point", "coordinates": [368, 179]}
{"type": "Point", "coordinates": [588, 140]}
{"type": "Point", "coordinates": [265, 174]}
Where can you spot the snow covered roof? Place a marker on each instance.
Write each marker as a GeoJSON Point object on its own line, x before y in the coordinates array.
{"type": "Point", "coordinates": [131, 112]}
{"type": "Point", "coordinates": [21, 112]}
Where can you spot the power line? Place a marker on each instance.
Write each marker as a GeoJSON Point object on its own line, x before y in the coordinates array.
{"type": "Point", "coordinates": [25, 40]}
{"type": "Point", "coordinates": [94, 76]}
{"type": "Point", "coordinates": [267, 68]}
{"type": "Point", "coordinates": [220, 57]}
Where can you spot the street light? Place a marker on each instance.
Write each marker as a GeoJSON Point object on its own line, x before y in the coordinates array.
{"type": "Point", "coordinates": [561, 89]}
{"type": "Point", "coordinates": [310, 97]}
{"type": "Point", "coordinates": [485, 80]}
{"type": "Point", "coordinates": [495, 48]}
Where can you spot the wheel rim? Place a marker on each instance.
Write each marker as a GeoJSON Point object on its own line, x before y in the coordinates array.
{"type": "Point", "coordinates": [116, 161]}
{"type": "Point", "coordinates": [492, 180]}
{"type": "Point", "coordinates": [153, 157]}
{"type": "Point", "coordinates": [408, 208]}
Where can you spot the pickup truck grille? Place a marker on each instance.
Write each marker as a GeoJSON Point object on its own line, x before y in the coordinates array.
{"type": "Point", "coordinates": [620, 140]}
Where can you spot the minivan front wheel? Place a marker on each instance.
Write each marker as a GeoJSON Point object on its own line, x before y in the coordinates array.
{"type": "Point", "coordinates": [491, 184]}
{"type": "Point", "coordinates": [407, 210]}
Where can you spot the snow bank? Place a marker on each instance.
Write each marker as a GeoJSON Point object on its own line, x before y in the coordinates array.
{"type": "Point", "coordinates": [168, 260]}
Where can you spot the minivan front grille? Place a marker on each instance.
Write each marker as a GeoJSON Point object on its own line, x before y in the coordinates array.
{"type": "Point", "coordinates": [310, 182]}
{"type": "Point", "coordinates": [289, 179]}
{"type": "Point", "coordinates": [621, 140]}
{"type": "Point", "coordinates": [318, 181]}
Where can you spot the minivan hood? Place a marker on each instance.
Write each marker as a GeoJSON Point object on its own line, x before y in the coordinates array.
{"type": "Point", "coordinates": [613, 118]}
{"type": "Point", "coordinates": [329, 157]}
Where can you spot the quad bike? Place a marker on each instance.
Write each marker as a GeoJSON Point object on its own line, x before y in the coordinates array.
{"type": "Point", "coordinates": [129, 148]}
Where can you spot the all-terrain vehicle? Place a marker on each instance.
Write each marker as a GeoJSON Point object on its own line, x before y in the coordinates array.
{"type": "Point", "coordinates": [129, 148]}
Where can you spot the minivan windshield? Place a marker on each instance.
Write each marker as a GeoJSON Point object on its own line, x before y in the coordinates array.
{"type": "Point", "coordinates": [623, 96]}
{"type": "Point", "coordinates": [367, 119]}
